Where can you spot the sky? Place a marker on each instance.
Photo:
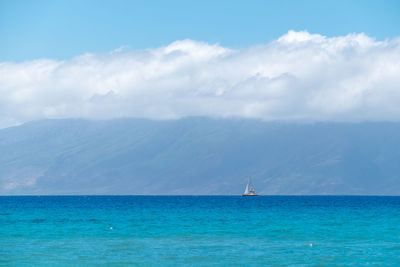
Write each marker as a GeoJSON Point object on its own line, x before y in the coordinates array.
{"type": "Point", "coordinates": [34, 29]}
{"type": "Point", "coordinates": [271, 60]}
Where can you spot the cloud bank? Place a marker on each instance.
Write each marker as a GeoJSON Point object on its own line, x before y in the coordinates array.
{"type": "Point", "coordinates": [300, 76]}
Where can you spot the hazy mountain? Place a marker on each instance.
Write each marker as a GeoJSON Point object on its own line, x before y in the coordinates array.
{"type": "Point", "coordinates": [199, 156]}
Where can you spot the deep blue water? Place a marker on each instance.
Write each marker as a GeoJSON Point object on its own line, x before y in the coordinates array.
{"type": "Point", "coordinates": [199, 230]}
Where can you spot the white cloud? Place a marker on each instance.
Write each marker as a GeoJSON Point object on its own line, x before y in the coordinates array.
{"type": "Point", "coordinates": [300, 76]}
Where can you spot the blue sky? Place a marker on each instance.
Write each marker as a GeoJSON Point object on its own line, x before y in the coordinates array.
{"type": "Point", "coordinates": [64, 29]}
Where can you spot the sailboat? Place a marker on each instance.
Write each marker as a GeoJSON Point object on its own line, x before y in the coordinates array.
{"type": "Point", "coordinates": [249, 191]}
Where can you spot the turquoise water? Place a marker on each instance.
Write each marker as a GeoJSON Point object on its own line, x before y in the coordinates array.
{"type": "Point", "coordinates": [199, 231]}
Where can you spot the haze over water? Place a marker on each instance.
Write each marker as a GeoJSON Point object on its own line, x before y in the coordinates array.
{"type": "Point", "coordinates": [199, 230]}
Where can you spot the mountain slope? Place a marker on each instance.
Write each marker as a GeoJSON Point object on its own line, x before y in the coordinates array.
{"type": "Point", "coordinates": [199, 156]}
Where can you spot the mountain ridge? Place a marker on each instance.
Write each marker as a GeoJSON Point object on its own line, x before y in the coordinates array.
{"type": "Point", "coordinates": [199, 156]}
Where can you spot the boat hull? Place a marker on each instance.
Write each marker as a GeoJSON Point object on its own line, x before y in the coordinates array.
{"type": "Point", "coordinates": [249, 195]}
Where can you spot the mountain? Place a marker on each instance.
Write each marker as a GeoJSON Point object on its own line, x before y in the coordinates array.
{"type": "Point", "coordinates": [199, 156]}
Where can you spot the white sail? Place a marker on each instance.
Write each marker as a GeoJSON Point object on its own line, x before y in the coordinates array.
{"type": "Point", "coordinates": [246, 191]}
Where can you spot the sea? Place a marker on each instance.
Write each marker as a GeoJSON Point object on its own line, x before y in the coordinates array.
{"type": "Point", "coordinates": [199, 231]}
